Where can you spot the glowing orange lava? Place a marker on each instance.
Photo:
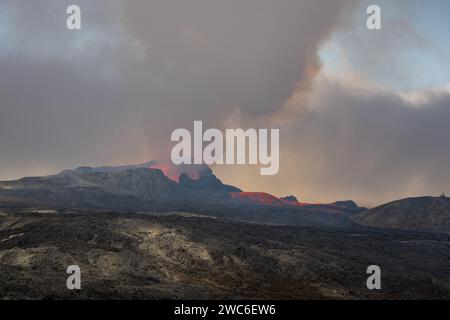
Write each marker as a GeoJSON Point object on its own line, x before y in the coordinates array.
{"type": "Point", "coordinates": [173, 172]}
{"type": "Point", "coordinates": [168, 171]}
{"type": "Point", "coordinates": [262, 198]}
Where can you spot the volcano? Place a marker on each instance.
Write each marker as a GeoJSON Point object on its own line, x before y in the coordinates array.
{"type": "Point", "coordinates": [140, 233]}
{"type": "Point", "coordinates": [157, 186]}
{"type": "Point", "coordinates": [171, 171]}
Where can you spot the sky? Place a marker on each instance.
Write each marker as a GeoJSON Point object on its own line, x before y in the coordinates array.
{"type": "Point", "coordinates": [362, 114]}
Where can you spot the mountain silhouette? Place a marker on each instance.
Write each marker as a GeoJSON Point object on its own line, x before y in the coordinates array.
{"type": "Point", "coordinates": [152, 186]}
{"type": "Point", "coordinates": [421, 213]}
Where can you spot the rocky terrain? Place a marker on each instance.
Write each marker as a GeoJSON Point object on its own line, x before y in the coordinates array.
{"type": "Point", "coordinates": [147, 188]}
{"type": "Point", "coordinates": [184, 256]}
{"type": "Point", "coordinates": [152, 232]}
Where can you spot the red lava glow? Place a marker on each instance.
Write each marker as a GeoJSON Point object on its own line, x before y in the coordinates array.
{"type": "Point", "coordinates": [262, 198]}
{"type": "Point", "coordinates": [255, 197]}
{"type": "Point", "coordinates": [168, 171]}
{"type": "Point", "coordinates": [173, 172]}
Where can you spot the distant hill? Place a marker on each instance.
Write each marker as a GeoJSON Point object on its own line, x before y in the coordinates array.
{"type": "Point", "coordinates": [422, 213]}
{"type": "Point", "coordinates": [162, 186]}
{"type": "Point", "coordinates": [117, 189]}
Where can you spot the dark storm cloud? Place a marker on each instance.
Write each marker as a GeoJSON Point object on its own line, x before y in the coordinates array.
{"type": "Point", "coordinates": [218, 54]}
{"type": "Point", "coordinates": [113, 93]}
{"type": "Point", "coordinates": [60, 93]}
{"type": "Point", "coordinates": [115, 90]}
{"type": "Point", "coordinates": [374, 147]}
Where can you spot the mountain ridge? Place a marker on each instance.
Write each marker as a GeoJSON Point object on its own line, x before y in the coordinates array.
{"type": "Point", "coordinates": [145, 188]}
{"type": "Point", "coordinates": [414, 213]}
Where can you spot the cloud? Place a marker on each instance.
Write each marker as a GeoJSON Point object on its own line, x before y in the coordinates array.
{"type": "Point", "coordinates": [62, 97]}
{"type": "Point", "coordinates": [410, 51]}
{"type": "Point", "coordinates": [369, 144]}
{"type": "Point", "coordinates": [217, 58]}
{"type": "Point", "coordinates": [366, 128]}
{"type": "Point", "coordinates": [114, 91]}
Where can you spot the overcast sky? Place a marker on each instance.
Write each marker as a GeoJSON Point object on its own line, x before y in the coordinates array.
{"type": "Point", "coordinates": [363, 115]}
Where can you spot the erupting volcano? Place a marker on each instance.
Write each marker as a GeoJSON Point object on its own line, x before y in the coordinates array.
{"type": "Point", "coordinates": [173, 172]}
{"type": "Point", "coordinates": [198, 181]}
